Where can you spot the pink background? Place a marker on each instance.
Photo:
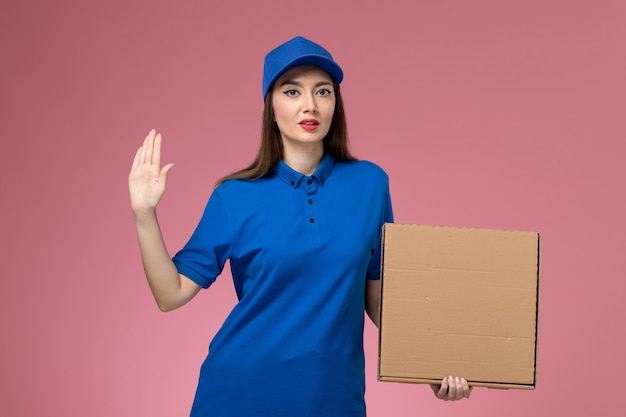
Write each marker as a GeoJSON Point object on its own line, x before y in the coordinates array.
{"type": "Point", "coordinates": [496, 114]}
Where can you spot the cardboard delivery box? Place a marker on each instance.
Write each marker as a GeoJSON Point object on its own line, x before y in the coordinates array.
{"type": "Point", "coordinates": [458, 301]}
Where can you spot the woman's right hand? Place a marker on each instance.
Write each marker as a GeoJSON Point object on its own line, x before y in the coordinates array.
{"type": "Point", "coordinates": [147, 181]}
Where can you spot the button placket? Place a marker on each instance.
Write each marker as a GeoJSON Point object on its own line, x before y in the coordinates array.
{"type": "Point", "coordinates": [311, 190]}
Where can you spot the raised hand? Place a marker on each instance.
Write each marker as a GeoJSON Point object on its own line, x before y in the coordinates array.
{"type": "Point", "coordinates": [147, 181]}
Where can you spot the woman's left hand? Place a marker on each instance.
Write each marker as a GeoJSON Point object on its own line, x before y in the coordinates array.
{"type": "Point", "coordinates": [452, 389]}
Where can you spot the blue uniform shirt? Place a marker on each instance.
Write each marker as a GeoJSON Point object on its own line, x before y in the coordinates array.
{"type": "Point", "coordinates": [300, 250]}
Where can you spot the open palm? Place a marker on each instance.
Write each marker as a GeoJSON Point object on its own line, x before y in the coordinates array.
{"type": "Point", "coordinates": [147, 181]}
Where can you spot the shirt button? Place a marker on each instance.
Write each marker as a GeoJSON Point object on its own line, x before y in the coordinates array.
{"type": "Point", "coordinates": [311, 220]}
{"type": "Point", "coordinates": [310, 201]}
{"type": "Point", "coordinates": [292, 183]}
{"type": "Point", "coordinates": [309, 182]}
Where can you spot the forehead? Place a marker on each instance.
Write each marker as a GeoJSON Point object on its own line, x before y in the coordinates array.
{"type": "Point", "coordinates": [305, 72]}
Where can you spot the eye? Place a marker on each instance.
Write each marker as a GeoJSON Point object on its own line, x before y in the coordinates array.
{"type": "Point", "coordinates": [324, 92]}
{"type": "Point", "coordinates": [290, 93]}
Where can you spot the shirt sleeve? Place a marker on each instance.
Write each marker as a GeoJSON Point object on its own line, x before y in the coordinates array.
{"type": "Point", "coordinates": [373, 270]}
{"type": "Point", "coordinates": [203, 257]}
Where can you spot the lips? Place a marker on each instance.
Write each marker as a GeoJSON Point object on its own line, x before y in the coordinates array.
{"type": "Point", "coordinates": [309, 124]}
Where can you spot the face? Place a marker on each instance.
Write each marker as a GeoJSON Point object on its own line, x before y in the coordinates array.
{"type": "Point", "coordinates": [304, 103]}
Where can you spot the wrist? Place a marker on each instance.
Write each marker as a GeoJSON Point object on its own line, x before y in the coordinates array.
{"type": "Point", "coordinates": [144, 215]}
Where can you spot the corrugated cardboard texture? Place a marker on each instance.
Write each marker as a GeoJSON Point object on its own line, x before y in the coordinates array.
{"type": "Point", "coordinates": [460, 302]}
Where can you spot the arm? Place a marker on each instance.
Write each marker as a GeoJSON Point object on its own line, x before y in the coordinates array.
{"type": "Point", "coordinates": [147, 183]}
{"type": "Point", "coordinates": [372, 300]}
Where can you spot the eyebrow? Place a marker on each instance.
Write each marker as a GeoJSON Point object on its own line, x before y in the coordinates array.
{"type": "Point", "coordinates": [298, 84]}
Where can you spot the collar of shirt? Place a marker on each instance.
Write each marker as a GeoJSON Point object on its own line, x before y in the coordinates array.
{"type": "Point", "coordinates": [293, 178]}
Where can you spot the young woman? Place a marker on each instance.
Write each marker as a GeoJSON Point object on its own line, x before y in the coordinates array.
{"type": "Point", "coordinates": [301, 227]}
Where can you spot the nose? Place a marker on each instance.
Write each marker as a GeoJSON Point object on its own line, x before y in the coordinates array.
{"type": "Point", "coordinates": [309, 103]}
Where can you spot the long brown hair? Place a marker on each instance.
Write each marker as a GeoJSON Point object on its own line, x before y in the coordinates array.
{"type": "Point", "coordinates": [271, 150]}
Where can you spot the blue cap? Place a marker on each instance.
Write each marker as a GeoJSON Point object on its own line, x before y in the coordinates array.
{"type": "Point", "coordinates": [294, 53]}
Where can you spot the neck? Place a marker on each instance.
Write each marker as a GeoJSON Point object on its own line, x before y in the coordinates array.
{"type": "Point", "coordinates": [305, 158]}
